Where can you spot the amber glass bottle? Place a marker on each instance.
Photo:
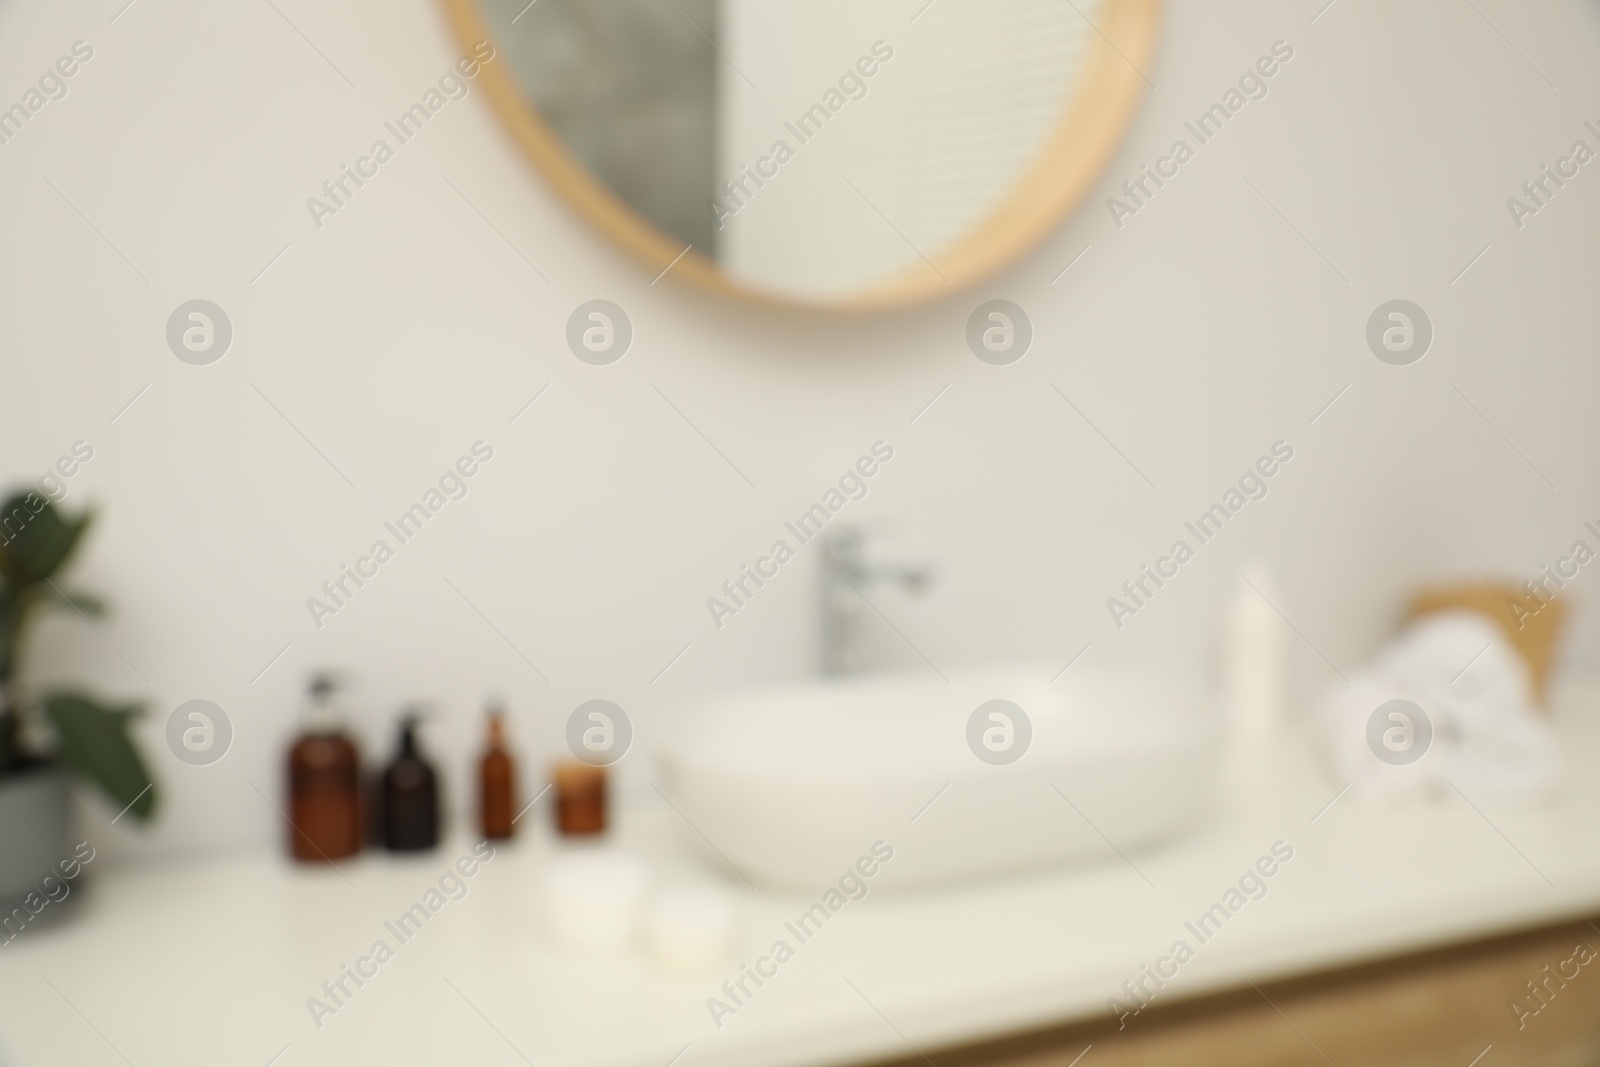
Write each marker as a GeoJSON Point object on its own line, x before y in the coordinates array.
{"type": "Point", "coordinates": [410, 795]}
{"type": "Point", "coordinates": [497, 781]}
{"type": "Point", "coordinates": [324, 782]}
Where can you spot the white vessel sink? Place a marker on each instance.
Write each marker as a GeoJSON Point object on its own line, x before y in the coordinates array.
{"type": "Point", "coordinates": [794, 784]}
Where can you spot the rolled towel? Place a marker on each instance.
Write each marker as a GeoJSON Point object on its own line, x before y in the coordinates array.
{"type": "Point", "coordinates": [1448, 700]}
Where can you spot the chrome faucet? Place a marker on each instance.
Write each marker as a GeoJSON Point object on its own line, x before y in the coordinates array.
{"type": "Point", "coordinates": [845, 578]}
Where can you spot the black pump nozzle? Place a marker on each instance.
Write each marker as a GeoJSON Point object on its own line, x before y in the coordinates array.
{"type": "Point", "coordinates": [411, 718]}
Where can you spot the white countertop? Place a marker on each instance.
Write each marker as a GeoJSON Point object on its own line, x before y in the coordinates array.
{"type": "Point", "coordinates": [212, 961]}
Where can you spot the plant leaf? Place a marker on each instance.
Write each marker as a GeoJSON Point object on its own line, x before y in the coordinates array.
{"type": "Point", "coordinates": [37, 539]}
{"type": "Point", "coordinates": [83, 603]}
{"type": "Point", "coordinates": [94, 743]}
{"type": "Point", "coordinates": [9, 620]}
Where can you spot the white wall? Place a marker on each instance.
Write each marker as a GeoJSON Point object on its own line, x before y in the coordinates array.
{"type": "Point", "coordinates": [407, 328]}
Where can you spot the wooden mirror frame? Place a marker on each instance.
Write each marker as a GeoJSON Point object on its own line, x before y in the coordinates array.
{"type": "Point", "coordinates": [1107, 96]}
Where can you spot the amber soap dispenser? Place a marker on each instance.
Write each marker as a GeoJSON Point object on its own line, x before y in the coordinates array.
{"type": "Point", "coordinates": [497, 781]}
{"type": "Point", "coordinates": [324, 781]}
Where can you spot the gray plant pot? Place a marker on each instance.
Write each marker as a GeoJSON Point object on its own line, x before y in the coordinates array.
{"type": "Point", "coordinates": [35, 820]}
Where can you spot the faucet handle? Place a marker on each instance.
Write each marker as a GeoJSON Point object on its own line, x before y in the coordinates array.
{"type": "Point", "coordinates": [845, 548]}
{"type": "Point", "coordinates": [915, 579]}
{"type": "Point", "coordinates": [843, 542]}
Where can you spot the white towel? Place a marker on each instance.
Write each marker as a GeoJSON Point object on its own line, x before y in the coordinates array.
{"type": "Point", "coordinates": [1476, 702]}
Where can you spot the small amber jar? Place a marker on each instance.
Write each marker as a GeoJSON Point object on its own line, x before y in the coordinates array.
{"type": "Point", "coordinates": [580, 798]}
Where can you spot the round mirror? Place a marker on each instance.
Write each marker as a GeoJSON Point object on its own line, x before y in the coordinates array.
{"type": "Point", "coordinates": [826, 153]}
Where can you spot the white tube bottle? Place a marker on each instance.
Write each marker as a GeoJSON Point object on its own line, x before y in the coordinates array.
{"type": "Point", "coordinates": [1253, 659]}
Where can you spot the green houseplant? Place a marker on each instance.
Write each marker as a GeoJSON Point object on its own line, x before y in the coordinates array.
{"type": "Point", "coordinates": [44, 737]}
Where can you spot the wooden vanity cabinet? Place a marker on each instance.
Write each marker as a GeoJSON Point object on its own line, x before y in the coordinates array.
{"type": "Point", "coordinates": [1442, 1008]}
